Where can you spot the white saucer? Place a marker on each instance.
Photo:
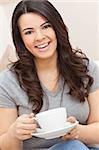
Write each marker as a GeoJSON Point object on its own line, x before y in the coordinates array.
{"type": "Point", "coordinates": [56, 133]}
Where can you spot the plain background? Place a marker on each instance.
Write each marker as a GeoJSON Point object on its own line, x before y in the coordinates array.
{"type": "Point", "coordinates": [80, 16]}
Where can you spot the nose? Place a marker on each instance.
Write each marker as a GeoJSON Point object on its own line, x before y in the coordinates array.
{"type": "Point", "coordinates": [39, 35]}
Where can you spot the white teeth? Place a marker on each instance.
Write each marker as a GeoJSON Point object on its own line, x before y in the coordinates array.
{"type": "Point", "coordinates": [42, 46]}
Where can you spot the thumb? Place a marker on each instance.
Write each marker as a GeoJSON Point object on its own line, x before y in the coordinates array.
{"type": "Point", "coordinates": [31, 115]}
{"type": "Point", "coordinates": [71, 119]}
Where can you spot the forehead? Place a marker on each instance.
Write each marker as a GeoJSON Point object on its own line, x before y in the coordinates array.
{"type": "Point", "coordinates": [31, 20]}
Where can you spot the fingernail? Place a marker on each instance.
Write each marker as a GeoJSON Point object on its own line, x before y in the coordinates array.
{"type": "Point", "coordinates": [31, 114]}
{"type": "Point", "coordinates": [76, 137]}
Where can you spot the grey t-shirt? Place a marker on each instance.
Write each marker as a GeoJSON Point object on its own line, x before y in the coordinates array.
{"type": "Point", "coordinates": [12, 96]}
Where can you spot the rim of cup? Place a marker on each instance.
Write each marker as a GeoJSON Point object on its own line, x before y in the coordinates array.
{"type": "Point", "coordinates": [50, 110]}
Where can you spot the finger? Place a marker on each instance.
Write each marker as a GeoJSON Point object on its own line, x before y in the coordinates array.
{"type": "Point", "coordinates": [74, 130]}
{"type": "Point", "coordinates": [31, 115]}
{"type": "Point", "coordinates": [68, 137]}
{"type": "Point", "coordinates": [24, 116]}
{"type": "Point", "coordinates": [27, 120]}
{"type": "Point", "coordinates": [71, 134]}
{"type": "Point", "coordinates": [71, 119]}
{"type": "Point", "coordinates": [74, 134]}
{"type": "Point", "coordinates": [28, 126]}
{"type": "Point", "coordinates": [25, 137]}
{"type": "Point", "coordinates": [21, 132]}
{"type": "Point", "coordinates": [27, 132]}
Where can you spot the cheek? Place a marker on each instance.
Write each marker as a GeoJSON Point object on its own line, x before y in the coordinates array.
{"type": "Point", "coordinates": [55, 40]}
{"type": "Point", "coordinates": [53, 35]}
{"type": "Point", "coordinates": [28, 43]}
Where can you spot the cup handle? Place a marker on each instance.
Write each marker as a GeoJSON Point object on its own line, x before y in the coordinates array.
{"type": "Point", "coordinates": [38, 129]}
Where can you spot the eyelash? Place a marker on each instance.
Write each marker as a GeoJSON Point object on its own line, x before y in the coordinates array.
{"type": "Point", "coordinates": [28, 32]}
{"type": "Point", "coordinates": [44, 27]}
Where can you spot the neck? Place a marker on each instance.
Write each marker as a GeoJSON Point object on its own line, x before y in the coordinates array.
{"type": "Point", "coordinates": [48, 72]}
{"type": "Point", "coordinates": [47, 65]}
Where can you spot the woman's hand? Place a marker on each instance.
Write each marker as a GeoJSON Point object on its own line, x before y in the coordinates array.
{"type": "Point", "coordinates": [74, 133]}
{"type": "Point", "coordinates": [23, 127]}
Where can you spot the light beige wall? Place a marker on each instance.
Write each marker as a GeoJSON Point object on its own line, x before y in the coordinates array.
{"type": "Point", "coordinates": [82, 19]}
{"type": "Point", "coordinates": [98, 31]}
{"type": "Point", "coordinates": [7, 1]}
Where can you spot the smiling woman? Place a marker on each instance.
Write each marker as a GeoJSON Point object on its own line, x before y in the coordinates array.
{"type": "Point", "coordinates": [75, 9]}
{"type": "Point", "coordinates": [48, 74]}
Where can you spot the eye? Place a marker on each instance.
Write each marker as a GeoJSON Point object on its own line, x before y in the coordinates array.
{"type": "Point", "coordinates": [28, 32]}
{"type": "Point", "coordinates": [47, 26]}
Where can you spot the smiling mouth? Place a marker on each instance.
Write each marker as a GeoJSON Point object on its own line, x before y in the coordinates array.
{"type": "Point", "coordinates": [43, 47]}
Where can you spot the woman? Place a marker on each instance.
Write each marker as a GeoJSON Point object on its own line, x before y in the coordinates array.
{"type": "Point", "coordinates": [48, 74]}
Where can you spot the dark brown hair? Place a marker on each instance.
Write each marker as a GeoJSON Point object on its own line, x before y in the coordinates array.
{"type": "Point", "coordinates": [72, 64]}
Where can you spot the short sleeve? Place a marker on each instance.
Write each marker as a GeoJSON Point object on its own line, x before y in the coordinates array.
{"type": "Point", "coordinates": [6, 93]}
{"type": "Point", "coordinates": [12, 95]}
{"type": "Point", "coordinates": [5, 99]}
{"type": "Point", "coordinates": [94, 72]}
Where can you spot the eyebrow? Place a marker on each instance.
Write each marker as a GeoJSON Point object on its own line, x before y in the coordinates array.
{"type": "Point", "coordinates": [33, 28]}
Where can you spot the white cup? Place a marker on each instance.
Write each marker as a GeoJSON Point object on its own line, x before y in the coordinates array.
{"type": "Point", "coordinates": [52, 119]}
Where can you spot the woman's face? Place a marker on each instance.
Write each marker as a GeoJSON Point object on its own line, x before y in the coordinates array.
{"type": "Point", "coordinates": [38, 35]}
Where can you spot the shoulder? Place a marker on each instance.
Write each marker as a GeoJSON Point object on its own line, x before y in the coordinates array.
{"type": "Point", "coordinates": [93, 67]}
{"type": "Point", "coordinates": [94, 73]}
{"type": "Point", "coordinates": [7, 77]}
{"type": "Point", "coordinates": [6, 74]}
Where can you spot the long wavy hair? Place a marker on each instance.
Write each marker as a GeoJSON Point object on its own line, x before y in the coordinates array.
{"type": "Point", "coordinates": [72, 64]}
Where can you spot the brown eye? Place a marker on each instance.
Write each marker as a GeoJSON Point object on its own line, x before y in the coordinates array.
{"type": "Point", "coordinates": [47, 26]}
{"type": "Point", "coordinates": [28, 32]}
